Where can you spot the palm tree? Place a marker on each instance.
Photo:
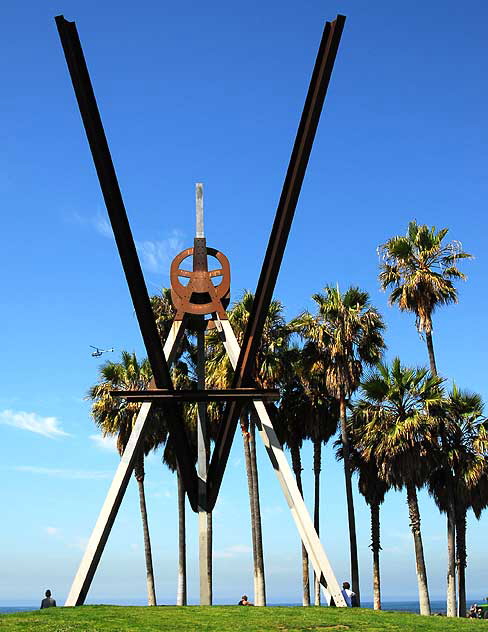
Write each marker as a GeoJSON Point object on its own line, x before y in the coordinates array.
{"type": "Point", "coordinates": [322, 425]}
{"type": "Point", "coordinates": [420, 270]}
{"type": "Point", "coordinates": [116, 416]}
{"type": "Point", "coordinates": [182, 379]}
{"type": "Point", "coordinates": [476, 498]}
{"type": "Point", "coordinates": [169, 459]}
{"type": "Point", "coordinates": [292, 425]}
{"type": "Point", "coordinates": [182, 373]}
{"type": "Point", "coordinates": [267, 372]}
{"type": "Point", "coordinates": [459, 479]}
{"type": "Point", "coordinates": [347, 334]}
{"type": "Point", "coordinates": [373, 488]}
{"type": "Point", "coordinates": [399, 433]}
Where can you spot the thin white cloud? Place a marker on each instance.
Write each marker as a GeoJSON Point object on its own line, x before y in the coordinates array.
{"type": "Point", "coordinates": [157, 255]}
{"type": "Point", "coordinates": [102, 226]}
{"type": "Point", "coordinates": [63, 473]}
{"type": "Point", "coordinates": [45, 426]}
{"type": "Point", "coordinates": [233, 551]}
{"type": "Point", "coordinates": [105, 443]}
{"type": "Point", "coordinates": [99, 222]}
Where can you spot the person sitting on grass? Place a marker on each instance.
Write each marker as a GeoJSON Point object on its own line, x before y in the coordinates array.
{"type": "Point", "coordinates": [48, 602]}
{"type": "Point", "coordinates": [244, 601]}
{"type": "Point", "coordinates": [349, 596]}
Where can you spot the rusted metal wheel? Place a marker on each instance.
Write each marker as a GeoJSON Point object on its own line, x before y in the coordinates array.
{"type": "Point", "coordinates": [200, 296]}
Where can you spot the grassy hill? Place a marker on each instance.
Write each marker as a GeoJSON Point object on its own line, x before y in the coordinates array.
{"type": "Point", "coordinates": [225, 619]}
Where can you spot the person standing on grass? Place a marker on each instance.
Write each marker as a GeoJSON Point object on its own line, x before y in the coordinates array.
{"type": "Point", "coordinates": [48, 602]}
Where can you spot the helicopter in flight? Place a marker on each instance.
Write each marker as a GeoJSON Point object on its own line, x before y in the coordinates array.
{"type": "Point", "coordinates": [98, 352]}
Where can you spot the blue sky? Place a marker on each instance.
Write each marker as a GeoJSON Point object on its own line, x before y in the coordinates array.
{"type": "Point", "coordinates": [213, 93]}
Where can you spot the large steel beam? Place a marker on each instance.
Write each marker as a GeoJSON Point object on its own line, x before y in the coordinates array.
{"type": "Point", "coordinates": [299, 511]}
{"type": "Point", "coordinates": [125, 243]}
{"type": "Point", "coordinates": [277, 243]}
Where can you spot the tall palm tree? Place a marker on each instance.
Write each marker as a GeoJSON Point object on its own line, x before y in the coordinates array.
{"type": "Point", "coordinates": [420, 270]}
{"type": "Point", "coordinates": [322, 425]}
{"type": "Point", "coordinates": [116, 416]}
{"type": "Point", "coordinates": [347, 334]}
{"type": "Point", "coordinates": [169, 459]}
{"type": "Point", "coordinates": [267, 371]}
{"type": "Point", "coordinates": [182, 379]}
{"type": "Point", "coordinates": [399, 432]}
{"type": "Point", "coordinates": [292, 425]}
{"type": "Point", "coordinates": [373, 488]}
{"type": "Point", "coordinates": [183, 376]}
{"type": "Point", "coordinates": [462, 462]}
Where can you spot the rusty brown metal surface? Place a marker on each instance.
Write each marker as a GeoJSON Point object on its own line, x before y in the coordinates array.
{"type": "Point", "coordinates": [208, 395]}
{"type": "Point", "coordinates": [200, 296]}
{"type": "Point", "coordinates": [125, 243]}
{"type": "Point", "coordinates": [277, 243]}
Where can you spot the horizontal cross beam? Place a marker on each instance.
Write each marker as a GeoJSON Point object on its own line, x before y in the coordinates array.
{"type": "Point", "coordinates": [209, 395]}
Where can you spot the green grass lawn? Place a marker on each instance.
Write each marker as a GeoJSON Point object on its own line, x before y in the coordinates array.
{"type": "Point", "coordinates": [225, 619]}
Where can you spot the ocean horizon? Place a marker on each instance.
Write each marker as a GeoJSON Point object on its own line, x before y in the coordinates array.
{"type": "Point", "coordinates": [406, 605]}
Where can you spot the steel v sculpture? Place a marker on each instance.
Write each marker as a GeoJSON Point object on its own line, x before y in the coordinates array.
{"type": "Point", "coordinates": [199, 298]}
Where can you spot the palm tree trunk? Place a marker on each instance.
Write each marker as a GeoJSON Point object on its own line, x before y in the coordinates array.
{"type": "Point", "coordinates": [297, 468]}
{"type": "Point", "coordinates": [139, 475]}
{"type": "Point", "coordinates": [317, 459]}
{"type": "Point", "coordinates": [461, 558]}
{"type": "Point", "coordinates": [252, 507]}
{"type": "Point", "coordinates": [451, 563]}
{"type": "Point", "coordinates": [181, 594]}
{"type": "Point", "coordinates": [376, 547]}
{"type": "Point", "coordinates": [413, 510]}
{"type": "Point", "coordinates": [260, 594]}
{"type": "Point", "coordinates": [350, 501]}
{"type": "Point", "coordinates": [451, 523]}
{"type": "Point", "coordinates": [430, 349]}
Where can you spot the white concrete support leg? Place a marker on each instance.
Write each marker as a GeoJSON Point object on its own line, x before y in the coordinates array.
{"type": "Point", "coordinates": [106, 518]}
{"type": "Point", "coordinates": [288, 483]}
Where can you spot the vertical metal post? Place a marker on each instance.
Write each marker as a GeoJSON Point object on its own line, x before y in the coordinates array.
{"type": "Point", "coordinates": [199, 204]}
{"type": "Point", "coordinates": [204, 518]}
